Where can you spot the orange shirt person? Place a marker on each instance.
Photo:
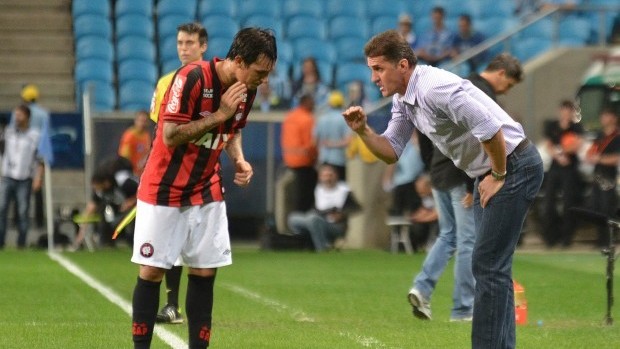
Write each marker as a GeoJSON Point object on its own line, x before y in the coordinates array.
{"type": "Point", "coordinates": [135, 143]}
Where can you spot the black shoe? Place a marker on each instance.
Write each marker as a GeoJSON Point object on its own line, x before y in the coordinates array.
{"type": "Point", "coordinates": [169, 314]}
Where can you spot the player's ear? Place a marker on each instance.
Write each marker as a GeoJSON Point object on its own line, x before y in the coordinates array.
{"type": "Point", "coordinates": [239, 61]}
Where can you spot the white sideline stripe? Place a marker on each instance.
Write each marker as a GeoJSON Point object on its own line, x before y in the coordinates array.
{"type": "Point", "coordinates": [168, 337]}
{"type": "Point", "coordinates": [298, 315]}
{"type": "Point", "coordinates": [301, 316]}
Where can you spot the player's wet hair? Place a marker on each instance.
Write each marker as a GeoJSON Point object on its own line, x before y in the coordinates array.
{"type": "Point", "coordinates": [391, 45]}
{"type": "Point", "coordinates": [195, 28]}
{"type": "Point", "coordinates": [251, 43]}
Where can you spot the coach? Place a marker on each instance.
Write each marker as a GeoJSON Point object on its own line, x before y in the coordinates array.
{"type": "Point", "coordinates": [481, 139]}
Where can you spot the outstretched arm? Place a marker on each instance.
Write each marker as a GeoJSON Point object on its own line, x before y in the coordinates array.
{"type": "Point", "coordinates": [378, 144]}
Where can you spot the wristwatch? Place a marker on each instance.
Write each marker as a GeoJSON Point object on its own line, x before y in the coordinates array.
{"type": "Point", "coordinates": [498, 176]}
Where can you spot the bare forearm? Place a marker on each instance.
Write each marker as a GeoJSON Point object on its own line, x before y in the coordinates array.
{"type": "Point", "coordinates": [234, 149]}
{"type": "Point", "coordinates": [496, 150]}
{"type": "Point", "coordinates": [378, 145]}
{"type": "Point", "coordinates": [177, 134]}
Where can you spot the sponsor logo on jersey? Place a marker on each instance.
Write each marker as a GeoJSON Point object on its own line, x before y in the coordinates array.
{"type": "Point", "coordinates": [207, 93]}
{"type": "Point", "coordinates": [174, 101]}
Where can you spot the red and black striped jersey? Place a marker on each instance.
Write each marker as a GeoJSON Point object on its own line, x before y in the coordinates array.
{"type": "Point", "coordinates": [190, 174]}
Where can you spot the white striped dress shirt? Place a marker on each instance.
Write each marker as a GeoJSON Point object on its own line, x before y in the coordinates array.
{"type": "Point", "coordinates": [20, 153]}
{"type": "Point", "coordinates": [454, 114]}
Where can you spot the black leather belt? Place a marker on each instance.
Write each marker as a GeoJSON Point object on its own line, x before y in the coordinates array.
{"type": "Point", "coordinates": [524, 143]}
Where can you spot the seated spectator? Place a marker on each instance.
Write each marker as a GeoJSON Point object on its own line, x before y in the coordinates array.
{"type": "Point", "coordinates": [465, 39]}
{"type": "Point", "coordinates": [328, 220]}
{"type": "Point", "coordinates": [310, 83]}
{"type": "Point", "coordinates": [435, 45]}
{"type": "Point", "coordinates": [274, 95]}
{"type": "Point", "coordinates": [114, 194]}
{"type": "Point", "coordinates": [405, 28]}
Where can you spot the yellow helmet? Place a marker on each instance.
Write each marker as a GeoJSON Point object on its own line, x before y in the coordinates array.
{"type": "Point", "coordinates": [335, 99]}
{"type": "Point", "coordinates": [30, 93]}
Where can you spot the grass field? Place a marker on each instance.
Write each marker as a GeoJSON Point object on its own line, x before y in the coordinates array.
{"type": "Point", "coordinates": [351, 299]}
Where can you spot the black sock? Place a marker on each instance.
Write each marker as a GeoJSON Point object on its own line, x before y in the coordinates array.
{"type": "Point", "coordinates": [173, 281]}
{"type": "Point", "coordinates": [145, 302]}
{"type": "Point", "coordinates": [198, 307]}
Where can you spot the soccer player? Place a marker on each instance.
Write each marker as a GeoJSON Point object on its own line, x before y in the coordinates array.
{"type": "Point", "coordinates": [481, 139]}
{"type": "Point", "coordinates": [192, 43]}
{"type": "Point", "coordinates": [181, 209]}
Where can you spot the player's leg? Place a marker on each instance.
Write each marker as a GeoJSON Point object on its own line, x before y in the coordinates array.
{"type": "Point", "coordinates": [159, 236]}
{"type": "Point", "coordinates": [208, 248]}
{"type": "Point", "coordinates": [170, 312]}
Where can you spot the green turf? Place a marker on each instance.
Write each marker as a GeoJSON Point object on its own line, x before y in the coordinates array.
{"type": "Point", "coordinates": [352, 299]}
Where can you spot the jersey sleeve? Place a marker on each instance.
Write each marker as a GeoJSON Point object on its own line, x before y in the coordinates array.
{"type": "Point", "coordinates": [183, 94]}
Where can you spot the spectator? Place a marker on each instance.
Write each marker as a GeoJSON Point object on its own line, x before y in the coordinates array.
{"type": "Point", "coordinates": [114, 194]}
{"type": "Point", "coordinates": [328, 220]}
{"type": "Point", "coordinates": [332, 135]}
{"type": "Point", "coordinates": [399, 179]}
{"type": "Point", "coordinates": [192, 42]}
{"type": "Point", "coordinates": [435, 46]}
{"type": "Point", "coordinates": [310, 83]}
{"type": "Point", "coordinates": [563, 139]}
{"type": "Point", "coordinates": [40, 121]}
{"type": "Point", "coordinates": [135, 142]}
{"type": "Point", "coordinates": [22, 172]}
{"type": "Point", "coordinates": [501, 74]}
{"type": "Point", "coordinates": [405, 28]}
{"type": "Point", "coordinates": [604, 154]}
{"type": "Point", "coordinates": [276, 94]}
{"type": "Point", "coordinates": [299, 152]}
{"type": "Point", "coordinates": [465, 39]}
{"type": "Point", "coordinates": [356, 94]}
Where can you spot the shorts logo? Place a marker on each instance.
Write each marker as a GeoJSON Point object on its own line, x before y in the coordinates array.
{"type": "Point", "coordinates": [146, 250]}
{"type": "Point", "coordinates": [174, 100]}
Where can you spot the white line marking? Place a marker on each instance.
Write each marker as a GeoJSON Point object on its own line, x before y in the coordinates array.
{"type": "Point", "coordinates": [168, 337]}
{"type": "Point", "coordinates": [300, 315]}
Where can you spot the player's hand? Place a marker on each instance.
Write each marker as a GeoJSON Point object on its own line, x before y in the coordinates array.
{"type": "Point", "coordinates": [355, 118]}
{"type": "Point", "coordinates": [243, 173]}
{"type": "Point", "coordinates": [488, 187]}
{"type": "Point", "coordinates": [231, 99]}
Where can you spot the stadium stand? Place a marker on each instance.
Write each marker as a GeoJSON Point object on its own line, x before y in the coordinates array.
{"type": "Point", "coordinates": [300, 27]}
{"type": "Point", "coordinates": [269, 8]}
{"type": "Point", "coordinates": [216, 8]}
{"type": "Point", "coordinates": [352, 8]}
{"type": "Point", "coordinates": [135, 25]}
{"type": "Point", "coordinates": [90, 7]}
{"type": "Point", "coordinates": [220, 26]}
{"type": "Point", "coordinates": [311, 8]}
{"type": "Point", "coordinates": [186, 8]}
{"type": "Point", "coordinates": [92, 46]}
{"type": "Point", "coordinates": [133, 7]}
{"type": "Point", "coordinates": [347, 27]}
{"type": "Point", "coordinates": [92, 24]}
{"type": "Point", "coordinates": [348, 72]}
{"type": "Point", "coordinates": [135, 95]}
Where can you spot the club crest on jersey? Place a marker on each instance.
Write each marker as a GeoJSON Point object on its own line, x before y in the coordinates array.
{"type": "Point", "coordinates": [174, 101]}
{"type": "Point", "coordinates": [146, 250]}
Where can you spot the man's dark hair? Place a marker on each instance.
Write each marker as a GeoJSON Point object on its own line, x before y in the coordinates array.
{"type": "Point", "coordinates": [508, 63]}
{"type": "Point", "coordinates": [251, 43]}
{"type": "Point", "coordinates": [392, 46]}
{"type": "Point", "coordinates": [25, 109]}
{"type": "Point", "coordinates": [440, 10]}
{"type": "Point", "coordinates": [465, 17]}
{"type": "Point", "coordinates": [195, 28]}
{"type": "Point", "coordinates": [568, 104]}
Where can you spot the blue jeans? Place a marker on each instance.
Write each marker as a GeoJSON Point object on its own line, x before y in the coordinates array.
{"type": "Point", "coordinates": [456, 233]}
{"type": "Point", "coordinates": [322, 232]}
{"type": "Point", "coordinates": [18, 190]}
{"type": "Point", "coordinates": [498, 227]}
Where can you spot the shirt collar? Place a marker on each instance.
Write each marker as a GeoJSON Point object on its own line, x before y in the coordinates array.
{"type": "Point", "coordinates": [409, 97]}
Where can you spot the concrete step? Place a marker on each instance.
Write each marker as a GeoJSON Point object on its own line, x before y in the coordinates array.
{"type": "Point", "coordinates": [21, 21]}
{"type": "Point", "coordinates": [53, 104]}
{"type": "Point", "coordinates": [61, 5]}
{"type": "Point", "coordinates": [31, 42]}
{"type": "Point", "coordinates": [42, 63]}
